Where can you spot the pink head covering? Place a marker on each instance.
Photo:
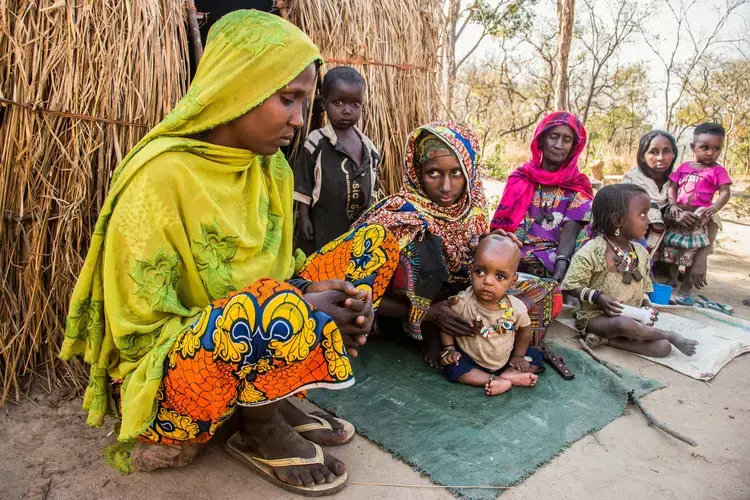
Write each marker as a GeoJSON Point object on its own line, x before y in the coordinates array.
{"type": "Point", "coordinates": [519, 190]}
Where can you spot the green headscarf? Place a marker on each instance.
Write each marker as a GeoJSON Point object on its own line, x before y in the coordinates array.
{"type": "Point", "coordinates": [186, 222]}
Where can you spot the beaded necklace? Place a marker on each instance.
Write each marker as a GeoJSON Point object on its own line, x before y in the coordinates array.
{"type": "Point", "coordinates": [504, 323]}
{"type": "Point", "coordinates": [545, 215]}
{"type": "Point", "coordinates": [626, 262]}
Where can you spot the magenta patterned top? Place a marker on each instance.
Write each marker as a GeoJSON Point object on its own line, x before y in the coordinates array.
{"type": "Point", "coordinates": [539, 235]}
{"type": "Point", "coordinates": [697, 186]}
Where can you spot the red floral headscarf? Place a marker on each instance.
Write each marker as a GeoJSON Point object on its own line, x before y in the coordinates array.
{"type": "Point", "coordinates": [410, 212]}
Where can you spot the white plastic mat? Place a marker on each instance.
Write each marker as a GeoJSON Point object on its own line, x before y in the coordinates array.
{"type": "Point", "coordinates": [721, 338]}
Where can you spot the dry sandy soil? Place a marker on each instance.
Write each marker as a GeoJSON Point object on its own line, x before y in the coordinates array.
{"type": "Point", "coordinates": [47, 451]}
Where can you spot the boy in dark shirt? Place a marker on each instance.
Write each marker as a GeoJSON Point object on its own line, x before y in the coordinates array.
{"type": "Point", "coordinates": [335, 177]}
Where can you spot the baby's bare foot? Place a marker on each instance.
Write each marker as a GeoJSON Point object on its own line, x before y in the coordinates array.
{"type": "Point", "coordinates": [497, 386]}
{"type": "Point", "coordinates": [687, 346]}
{"type": "Point", "coordinates": [520, 379]}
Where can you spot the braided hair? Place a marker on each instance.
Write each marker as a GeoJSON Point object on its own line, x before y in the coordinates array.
{"type": "Point", "coordinates": [610, 202]}
{"type": "Point", "coordinates": [645, 143]}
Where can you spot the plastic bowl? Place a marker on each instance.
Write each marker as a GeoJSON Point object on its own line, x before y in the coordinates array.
{"type": "Point", "coordinates": [661, 294]}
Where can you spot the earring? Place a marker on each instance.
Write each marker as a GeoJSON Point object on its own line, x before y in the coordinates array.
{"type": "Point", "coordinates": [617, 232]}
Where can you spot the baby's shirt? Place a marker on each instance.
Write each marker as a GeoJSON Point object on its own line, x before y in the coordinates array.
{"type": "Point", "coordinates": [493, 348]}
{"type": "Point", "coordinates": [696, 187]}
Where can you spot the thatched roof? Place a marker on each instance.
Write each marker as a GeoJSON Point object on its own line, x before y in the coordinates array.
{"type": "Point", "coordinates": [81, 83]}
{"type": "Point", "coordinates": [394, 44]}
{"type": "Point", "coordinates": [109, 62]}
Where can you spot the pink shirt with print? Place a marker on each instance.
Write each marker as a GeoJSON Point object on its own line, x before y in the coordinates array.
{"type": "Point", "coordinates": [697, 186]}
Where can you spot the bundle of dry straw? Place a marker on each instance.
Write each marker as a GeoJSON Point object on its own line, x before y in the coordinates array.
{"type": "Point", "coordinates": [82, 82]}
{"type": "Point", "coordinates": [112, 62]}
{"type": "Point", "coordinates": [394, 44]}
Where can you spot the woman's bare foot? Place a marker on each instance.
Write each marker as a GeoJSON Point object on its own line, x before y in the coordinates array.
{"type": "Point", "coordinates": [687, 346]}
{"type": "Point", "coordinates": [265, 431]}
{"type": "Point", "coordinates": [147, 457]}
{"type": "Point", "coordinates": [294, 417]}
{"type": "Point", "coordinates": [520, 379]}
{"type": "Point", "coordinates": [497, 386]}
{"type": "Point", "coordinates": [686, 288]}
{"type": "Point", "coordinates": [674, 275]}
{"type": "Point", "coordinates": [593, 341]}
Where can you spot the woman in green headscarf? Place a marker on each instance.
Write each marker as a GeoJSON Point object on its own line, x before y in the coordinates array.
{"type": "Point", "coordinates": [181, 307]}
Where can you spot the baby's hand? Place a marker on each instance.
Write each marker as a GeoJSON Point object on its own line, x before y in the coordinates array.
{"type": "Point", "coordinates": [674, 212]}
{"type": "Point", "coordinates": [450, 357]}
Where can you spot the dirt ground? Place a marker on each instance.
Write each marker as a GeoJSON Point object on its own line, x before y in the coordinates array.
{"type": "Point", "coordinates": [48, 452]}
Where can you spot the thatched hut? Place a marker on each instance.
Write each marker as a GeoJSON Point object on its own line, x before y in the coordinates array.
{"type": "Point", "coordinates": [80, 83]}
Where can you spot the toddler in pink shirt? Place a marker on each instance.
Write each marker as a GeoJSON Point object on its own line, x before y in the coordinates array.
{"type": "Point", "coordinates": [692, 187]}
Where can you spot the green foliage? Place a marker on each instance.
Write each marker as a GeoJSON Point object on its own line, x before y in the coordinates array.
{"type": "Point", "coordinates": [720, 92]}
{"type": "Point", "coordinates": [496, 166]}
{"type": "Point", "coordinates": [504, 18]}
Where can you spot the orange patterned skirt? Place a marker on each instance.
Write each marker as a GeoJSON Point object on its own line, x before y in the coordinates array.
{"type": "Point", "coordinates": [265, 342]}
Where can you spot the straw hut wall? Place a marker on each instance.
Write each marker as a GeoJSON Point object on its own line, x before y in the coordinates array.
{"type": "Point", "coordinates": [394, 45]}
{"type": "Point", "coordinates": [111, 70]}
{"type": "Point", "coordinates": [82, 82]}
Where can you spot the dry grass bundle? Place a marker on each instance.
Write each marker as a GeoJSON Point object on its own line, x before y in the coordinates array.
{"type": "Point", "coordinates": [394, 44]}
{"type": "Point", "coordinates": [123, 61]}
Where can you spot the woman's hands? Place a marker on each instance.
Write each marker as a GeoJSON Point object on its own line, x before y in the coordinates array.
{"type": "Point", "coordinates": [512, 236]}
{"type": "Point", "coordinates": [561, 267]}
{"type": "Point", "coordinates": [450, 321]}
{"type": "Point", "coordinates": [706, 212]}
{"type": "Point", "coordinates": [685, 220]}
{"type": "Point", "coordinates": [350, 308]}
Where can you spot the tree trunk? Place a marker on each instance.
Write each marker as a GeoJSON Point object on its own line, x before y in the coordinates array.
{"type": "Point", "coordinates": [565, 35]}
{"type": "Point", "coordinates": [449, 53]}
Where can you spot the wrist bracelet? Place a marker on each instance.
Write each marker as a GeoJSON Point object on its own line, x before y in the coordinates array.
{"type": "Point", "coordinates": [562, 257]}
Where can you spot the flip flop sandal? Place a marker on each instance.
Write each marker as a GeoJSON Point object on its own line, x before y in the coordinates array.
{"type": "Point", "coordinates": [686, 301]}
{"type": "Point", "coordinates": [715, 306]}
{"type": "Point", "coordinates": [264, 468]}
{"type": "Point", "coordinates": [324, 425]}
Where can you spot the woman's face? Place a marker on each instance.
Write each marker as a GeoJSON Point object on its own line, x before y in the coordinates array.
{"type": "Point", "coordinates": [556, 145]}
{"type": "Point", "coordinates": [271, 125]}
{"type": "Point", "coordinates": [659, 155]}
{"type": "Point", "coordinates": [443, 180]}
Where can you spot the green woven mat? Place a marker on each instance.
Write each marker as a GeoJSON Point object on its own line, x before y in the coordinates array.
{"type": "Point", "coordinates": [459, 436]}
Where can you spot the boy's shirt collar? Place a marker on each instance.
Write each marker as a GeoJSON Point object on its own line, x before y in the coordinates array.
{"type": "Point", "coordinates": [330, 134]}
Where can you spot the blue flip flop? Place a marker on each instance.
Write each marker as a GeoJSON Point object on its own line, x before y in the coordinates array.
{"type": "Point", "coordinates": [714, 306]}
{"type": "Point", "coordinates": [686, 301]}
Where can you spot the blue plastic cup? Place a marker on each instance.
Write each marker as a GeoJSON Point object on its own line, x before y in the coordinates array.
{"type": "Point", "coordinates": [661, 294]}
